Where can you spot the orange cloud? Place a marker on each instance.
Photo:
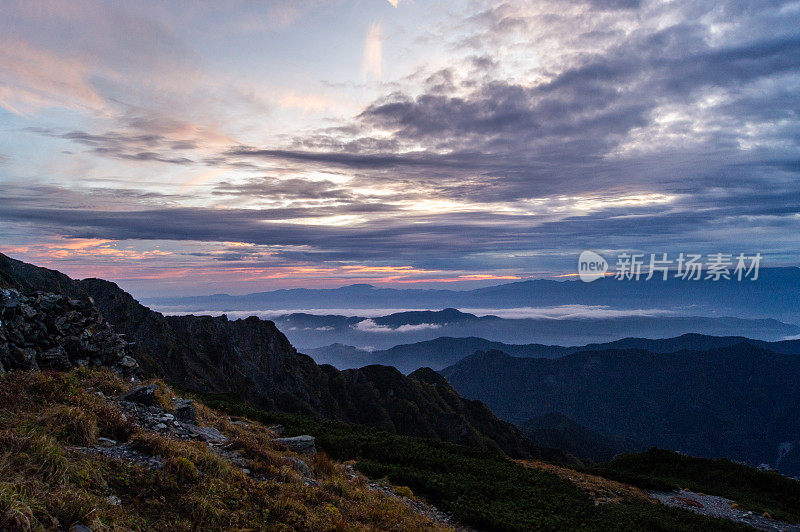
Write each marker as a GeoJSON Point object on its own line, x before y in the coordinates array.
{"type": "Point", "coordinates": [385, 269]}
{"type": "Point", "coordinates": [457, 279]}
{"type": "Point", "coordinates": [33, 78]}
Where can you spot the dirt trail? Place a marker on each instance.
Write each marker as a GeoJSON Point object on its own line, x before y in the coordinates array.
{"type": "Point", "coordinates": [721, 507]}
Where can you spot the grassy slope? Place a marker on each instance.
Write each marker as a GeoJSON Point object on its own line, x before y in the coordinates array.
{"type": "Point", "coordinates": [46, 484]}
{"type": "Point", "coordinates": [481, 489]}
{"type": "Point", "coordinates": [667, 470]}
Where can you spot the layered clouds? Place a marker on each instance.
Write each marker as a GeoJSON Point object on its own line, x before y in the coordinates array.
{"type": "Point", "coordinates": [482, 142]}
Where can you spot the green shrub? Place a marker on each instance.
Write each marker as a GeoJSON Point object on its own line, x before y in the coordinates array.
{"type": "Point", "coordinates": [183, 469]}
{"type": "Point", "coordinates": [480, 488]}
{"type": "Point", "coordinates": [658, 469]}
{"type": "Point", "coordinates": [404, 491]}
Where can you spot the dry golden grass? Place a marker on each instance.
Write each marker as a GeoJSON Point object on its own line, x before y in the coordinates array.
{"type": "Point", "coordinates": [601, 489]}
{"type": "Point", "coordinates": [46, 484]}
{"type": "Point", "coordinates": [71, 424]}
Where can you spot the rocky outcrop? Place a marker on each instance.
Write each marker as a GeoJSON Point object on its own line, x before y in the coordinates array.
{"type": "Point", "coordinates": [138, 409]}
{"type": "Point", "coordinates": [51, 331]}
{"type": "Point", "coordinates": [252, 360]}
{"type": "Point", "coordinates": [144, 395]}
{"type": "Point", "coordinates": [300, 444]}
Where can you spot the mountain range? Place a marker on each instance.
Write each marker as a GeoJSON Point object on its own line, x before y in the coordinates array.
{"type": "Point", "coordinates": [773, 295]}
{"type": "Point", "coordinates": [311, 331]}
{"type": "Point", "coordinates": [738, 401]}
{"type": "Point", "coordinates": [710, 396]}
{"type": "Point", "coordinates": [445, 351]}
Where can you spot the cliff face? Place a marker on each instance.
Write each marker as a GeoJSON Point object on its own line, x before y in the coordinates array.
{"type": "Point", "coordinates": [252, 359]}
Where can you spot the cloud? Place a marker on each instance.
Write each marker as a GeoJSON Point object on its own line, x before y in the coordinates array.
{"type": "Point", "coordinates": [561, 312]}
{"type": "Point", "coordinates": [533, 130]}
{"type": "Point", "coordinates": [372, 60]}
{"type": "Point", "coordinates": [32, 77]}
{"type": "Point", "coordinates": [369, 326]}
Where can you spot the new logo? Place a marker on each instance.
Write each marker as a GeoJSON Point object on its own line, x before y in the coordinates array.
{"type": "Point", "coordinates": [591, 266]}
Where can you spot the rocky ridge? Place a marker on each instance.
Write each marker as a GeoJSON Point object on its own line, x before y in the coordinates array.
{"type": "Point", "coordinates": [254, 361]}
{"type": "Point", "coordinates": [52, 331]}
{"type": "Point", "coordinates": [140, 407]}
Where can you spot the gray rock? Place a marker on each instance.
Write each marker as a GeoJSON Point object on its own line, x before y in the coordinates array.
{"type": "Point", "coordinates": [127, 363]}
{"type": "Point", "coordinates": [22, 358]}
{"type": "Point", "coordinates": [299, 465]}
{"type": "Point", "coordinates": [49, 331]}
{"type": "Point", "coordinates": [80, 528]}
{"type": "Point", "coordinates": [185, 411]}
{"type": "Point", "coordinates": [55, 358]}
{"type": "Point", "coordinates": [113, 500]}
{"type": "Point", "coordinates": [304, 444]}
{"type": "Point", "coordinates": [207, 434]}
{"type": "Point", "coordinates": [144, 395]}
{"type": "Point", "coordinates": [106, 442]}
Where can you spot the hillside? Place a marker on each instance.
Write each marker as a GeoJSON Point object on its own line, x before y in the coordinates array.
{"type": "Point", "coordinates": [86, 448]}
{"type": "Point", "coordinates": [736, 401]}
{"type": "Point", "coordinates": [557, 431]}
{"type": "Point", "coordinates": [78, 452]}
{"type": "Point", "coordinates": [253, 359]}
{"type": "Point", "coordinates": [764, 491]}
{"type": "Point", "coordinates": [487, 491]}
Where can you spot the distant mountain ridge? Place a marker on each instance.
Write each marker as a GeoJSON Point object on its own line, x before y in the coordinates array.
{"type": "Point", "coordinates": [311, 331]}
{"type": "Point", "coordinates": [773, 295]}
{"type": "Point", "coordinates": [445, 351]}
{"type": "Point", "coordinates": [738, 401]}
{"type": "Point", "coordinates": [252, 359]}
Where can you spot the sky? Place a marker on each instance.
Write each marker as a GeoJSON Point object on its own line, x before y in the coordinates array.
{"type": "Point", "coordinates": [185, 147]}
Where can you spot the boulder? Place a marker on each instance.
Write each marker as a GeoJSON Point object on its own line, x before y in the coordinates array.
{"type": "Point", "coordinates": [185, 411]}
{"type": "Point", "coordinates": [207, 434]}
{"type": "Point", "coordinates": [22, 358]}
{"type": "Point", "coordinates": [127, 363]}
{"type": "Point", "coordinates": [144, 395]}
{"type": "Point", "coordinates": [304, 444]}
{"type": "Point", "coordinates": [299, 465]}
{"type": "Point", "coordinates": [55, 358]}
